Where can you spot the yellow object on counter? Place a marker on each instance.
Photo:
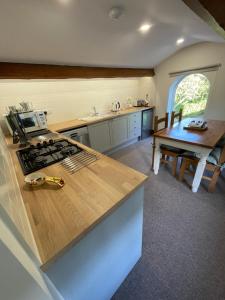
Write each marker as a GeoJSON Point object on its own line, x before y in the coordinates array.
{"type": "Point", "coordinates": [38, 178]}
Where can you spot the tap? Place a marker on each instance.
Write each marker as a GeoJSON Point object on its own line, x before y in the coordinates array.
{"type": "Point", "coordinates": [95, 111]}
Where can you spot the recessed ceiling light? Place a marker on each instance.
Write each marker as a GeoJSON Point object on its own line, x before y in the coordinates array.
{"type": "Point", "coordinates": [64, 1]}
{"type": "Point", "coordinates": [145, 27]}
{"type": "Point", "coordinates": [116, 12]}
{"type": "Point", "coordinates": [180, 41]}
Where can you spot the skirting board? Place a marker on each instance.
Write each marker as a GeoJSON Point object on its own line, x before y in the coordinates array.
{"type": "Point", "coordinates": [111, 151]}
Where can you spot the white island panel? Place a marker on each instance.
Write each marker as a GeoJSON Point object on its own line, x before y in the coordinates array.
{"type": "Point", "coordinates": [97, 265]}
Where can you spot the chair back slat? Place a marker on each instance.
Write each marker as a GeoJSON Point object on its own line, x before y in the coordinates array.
{"type": "Point", "coordinates": [222, 156]}
{"type": "Point", "coordinates": [175, 116]}
{"type": "Point", "coordinates": [158, 121]}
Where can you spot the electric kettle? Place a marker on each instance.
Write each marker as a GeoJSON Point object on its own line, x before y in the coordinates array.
{"type": "Point", "coordinates": [116, 106]}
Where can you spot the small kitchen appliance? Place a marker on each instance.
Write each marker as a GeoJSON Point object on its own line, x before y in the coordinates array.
{"type": "Point", "coordinates": [116, 106]}
{"type": "Point", "coordinates": [140, 103]}
{"type": "Point", "coordinates": [31, 121]}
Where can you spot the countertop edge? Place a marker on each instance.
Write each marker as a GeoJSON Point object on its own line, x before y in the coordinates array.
{"type": "Point", "coordinates": [181, 141]}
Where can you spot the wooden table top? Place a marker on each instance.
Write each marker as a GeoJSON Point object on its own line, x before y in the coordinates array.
{"type": "Point", "coordinates": [61, 217]}
{"type": "Point", "coordinates": [75, 123]}
{"type": "Point", "coordinates": [207, 138]}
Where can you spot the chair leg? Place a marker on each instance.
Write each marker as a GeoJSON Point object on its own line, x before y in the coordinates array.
{"type": "Point", "coordinates": [183, 169]}
{"type": "Point", "coordinates": [153, 156]}
{"type": "Point", "coordinates": [212, 184]}
{"type": "Point", "coordinates": [174, 166]}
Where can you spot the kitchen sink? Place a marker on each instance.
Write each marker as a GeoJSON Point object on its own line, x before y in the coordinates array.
{"type": "Point", "coordinates": [96, 117]}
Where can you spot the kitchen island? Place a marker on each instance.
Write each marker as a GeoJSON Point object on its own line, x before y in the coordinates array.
{"type": "Point", "coordinates": [89, 233]}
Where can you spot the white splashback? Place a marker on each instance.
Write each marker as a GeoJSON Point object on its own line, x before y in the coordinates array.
{"type": "Point", "coordinates": [69, 99]}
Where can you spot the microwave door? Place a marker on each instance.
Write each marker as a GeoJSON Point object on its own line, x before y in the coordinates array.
{"type": "Point", "coordinates": [29, 124]}
{"type": "Point", "coordinates": [28, 121]}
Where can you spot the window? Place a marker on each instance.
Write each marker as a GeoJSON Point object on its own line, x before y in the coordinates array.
{"type": "Point", "coordinates": [191, 95]}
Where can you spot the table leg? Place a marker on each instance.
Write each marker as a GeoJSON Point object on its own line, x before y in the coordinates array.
{"type": "Point", "coordinates": [157, 157]}
{"type": "Point", "coordinates": [199, 173]}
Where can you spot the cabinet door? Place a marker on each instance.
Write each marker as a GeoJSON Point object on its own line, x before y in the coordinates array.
{"type": "Point", "coordinates": [119, 130]}
{"type": "Point", "coordinates": [134, 125]}
{"type": "Point", "coordinates": [99, 135]}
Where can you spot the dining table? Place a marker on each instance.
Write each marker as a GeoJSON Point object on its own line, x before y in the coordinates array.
{"type": "Point", "coordinates": [199, 142]}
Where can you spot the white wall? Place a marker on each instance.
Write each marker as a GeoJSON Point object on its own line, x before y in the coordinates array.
{"type": "Point", "coordinates": [15, 282]}
{"type": "Point", "coordinates": [199, 55]}
{"type": "Point", "coordinates": [69, 99]}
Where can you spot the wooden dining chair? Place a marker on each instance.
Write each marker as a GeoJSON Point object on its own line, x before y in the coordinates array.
{"type": "Point", "coordinates": [214, 164]}
{"type": "Point", "coordinates": [167, 151]}
{"type": "Point", "coordinates": [175, 116]}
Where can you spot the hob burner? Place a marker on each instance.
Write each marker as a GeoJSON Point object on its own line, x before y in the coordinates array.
{"type": "Point", "coordinates": [40, 159]}
{"type": "Point", "coordinates": [34, 153]}
{"type": "Point", "coordinates": [68, 151]}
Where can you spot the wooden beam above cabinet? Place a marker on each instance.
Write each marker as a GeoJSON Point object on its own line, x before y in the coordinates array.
{"type": "Point", "coordinates": [42, 71]}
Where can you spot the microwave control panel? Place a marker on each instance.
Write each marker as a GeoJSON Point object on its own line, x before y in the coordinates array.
{"type": "Point", "coordinates": [41, 118]}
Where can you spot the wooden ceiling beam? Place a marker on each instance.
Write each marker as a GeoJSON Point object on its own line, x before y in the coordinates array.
{"type": "Point", "coordinates": [211, 11]}
{"type": "Point", "coordinates": [43, 71]}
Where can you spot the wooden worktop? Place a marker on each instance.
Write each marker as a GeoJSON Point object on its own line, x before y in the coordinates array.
{"type": "Point", "coordinates": [61, 217]}
{"type": "Point", "coordinates": [75, 123]}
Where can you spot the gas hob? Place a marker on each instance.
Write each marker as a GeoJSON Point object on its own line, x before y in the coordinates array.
{"type": "Point", "coordinates": [45, 154]}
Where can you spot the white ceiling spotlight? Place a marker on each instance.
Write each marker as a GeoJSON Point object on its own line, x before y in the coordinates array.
{"type": "Point", "coordinates": [116, 12]}
{"type": "Point", "coordinates": [65, 2]}
{"type": "Point", "coordinates": [145, 27]}
{"type": "Point", "coordinates": [180, 41]}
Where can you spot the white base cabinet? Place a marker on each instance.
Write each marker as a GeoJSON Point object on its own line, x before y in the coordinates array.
{"type": "Point", "coordinates": [99, 135]}
{"type": "Point", "coordinates": [96, 266]}
{"type": "Point", "coordinates": [115, 132]}
{"type": "Point", "coordinates": [118, 131]}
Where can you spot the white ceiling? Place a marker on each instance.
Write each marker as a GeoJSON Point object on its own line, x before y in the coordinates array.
{"type": "Point", "coordinates": [80, 32]}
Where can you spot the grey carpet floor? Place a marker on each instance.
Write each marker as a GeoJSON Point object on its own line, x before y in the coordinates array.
{"type": "Point", "coordinates": [183, 237]}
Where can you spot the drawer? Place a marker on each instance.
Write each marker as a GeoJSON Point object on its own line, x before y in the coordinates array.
{"type": "Point", "coordinates": [135, 116]}
{"type": "Point", "coordinates": [136, 132]}
{"type": "Point", "coordinates": [134, 121]}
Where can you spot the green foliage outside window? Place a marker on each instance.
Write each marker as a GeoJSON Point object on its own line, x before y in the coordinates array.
{"type": "Point", "coordinates": [192, 95]}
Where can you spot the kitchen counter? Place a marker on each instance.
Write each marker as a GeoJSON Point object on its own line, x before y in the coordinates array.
{"type": "Point", "coordinates": [71, 124]}
{"type": "Point", "coordinates": [59, 218]}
